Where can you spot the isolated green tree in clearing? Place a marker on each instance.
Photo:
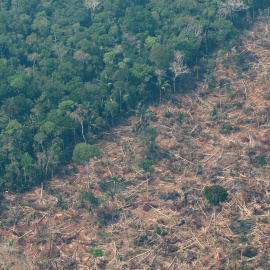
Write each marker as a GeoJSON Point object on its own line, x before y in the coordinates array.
{"type": "Point", "coordinates": [148, 138]}
{"type": "Point", "coordinates": [215, 194]}
{"type": "Point", "coordinates": [83, 152]}
{"type": "Point", "coordinates": [146, 164]}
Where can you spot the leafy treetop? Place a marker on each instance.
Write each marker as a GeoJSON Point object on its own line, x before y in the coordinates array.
{"type": "Point", "coordinates": [215, 194]}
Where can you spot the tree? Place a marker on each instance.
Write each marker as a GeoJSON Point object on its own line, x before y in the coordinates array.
{"type": "Point", "coordinates": [83, 152]}
{"type": "Point", "coordinates": [120, 86]}
{"type": "Point", "coordinates": [18, 81]}
{"type": "Point", "coordinates": [115, 179]}
{"type": "Point", "coordinates": [26, 163]}
{"type": "Point", "coordinates": [91, 202]}
{"type": "Point", "coordinates": [186, 191]}
{"type": "Point", "coordinates": [111, 108]}
{"type": "Point", "coordinates": [66, 105]}
{"type": "Point", "coordinates": [60, 50]}
{"type": "Point", "coordinates": [82, 56]}
{"type": "Point", "coordinates": [142, 72]}
{"type": "Point", "coordinates": [97, 252]}
{"type": "Point", "coordinates": [52, 155]}
{"type": "Point", "coordinates": [33, 58]}
{"type": "Point", "coordinates": [40, 23]}
{"type": "Point", "coordinates": [148, 138]}
{"type": "Point", "coordinates": [50, 129]}
{"type": "Point", "coordinates": [92, 5]}
{"type": "Point", "coordinates": [78, 116]}
{"type": "Point", "coordinates": [215, 194]}
{"type": "Point", "coordinates": [161, 55]}
{"type": "Point", "coordinates": [177, 67]}
{"type": "Point", "coordinates": [161, 83]}
{"type": "Point", "coordinates": [230, 6]}
{"type": "Point", "coordinates": [146, 164]}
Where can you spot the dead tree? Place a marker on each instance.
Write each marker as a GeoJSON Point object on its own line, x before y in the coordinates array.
{"type": "Point", "coordinates": [177, 67]}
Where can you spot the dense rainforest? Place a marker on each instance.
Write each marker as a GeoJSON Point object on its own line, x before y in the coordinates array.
{"type": "Point", "coordinates": [71, 69]}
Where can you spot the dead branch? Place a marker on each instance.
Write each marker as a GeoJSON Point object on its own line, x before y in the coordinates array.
{"type": "Point", "coordinates": [196, 239]}
{"type": "Point", "coordinates": [243, 82]}
{"type": "Point", "coordinates": [172, 263]}
{"type": "Point", "coordinates": [138, 256]}
{"type": "Point", "coordinates": [160, 212]}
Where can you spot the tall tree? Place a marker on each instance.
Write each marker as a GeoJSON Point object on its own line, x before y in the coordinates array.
{"type": "Point", "coordinates": [92, 5]}
{"type": "Point", "coordinates": [178, 67]}
{"type": "Point", "coordinates": [83, 152]}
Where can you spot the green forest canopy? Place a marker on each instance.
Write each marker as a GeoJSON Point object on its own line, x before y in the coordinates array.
{"type": "Point", "coordinates": [69, 69]}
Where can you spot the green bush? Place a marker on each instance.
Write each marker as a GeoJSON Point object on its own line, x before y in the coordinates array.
{"type": "Point", "coordinates": [229, 92]}
{"type": "Point", "coordinates": [221, 53]}
{"type": "Point", "coordinates": [61, 203]}
{"type": "Point", "coordinates": [211, 81]}
{"type": "Point", "coordinates": [102, 233]}
{"type": "Point", "coordinates": [112, 184]}
{"type": "Point", "coordinates": [97, 252]}
{"type": "Point", "coordinates": [214, 111]}
{"type": "Point", "coordinates": [157, 229]}
{"type": "Point", "coordinates": [260, 161]}
{"type": "Point", "coordinates": [89, 198]}
{"type": "Point", "coordinates": [179, 117]}
{"type": "Point", "coordinates": [227, 129]}
{"type": "Point", "coordinates": [215, 194]}
{"type": "Point", "coordinates": [148, 138]}
{"type": "Point", "coordinates": [211, 64]}
{"type": "Point", "coordinates": [167, 114]}
{"type": "Point", "coordinates": [106, 215]}
{"type": "Point", "coordinates": [243, 238]}
{"type": "Point", "coordinates": [146, 164]}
